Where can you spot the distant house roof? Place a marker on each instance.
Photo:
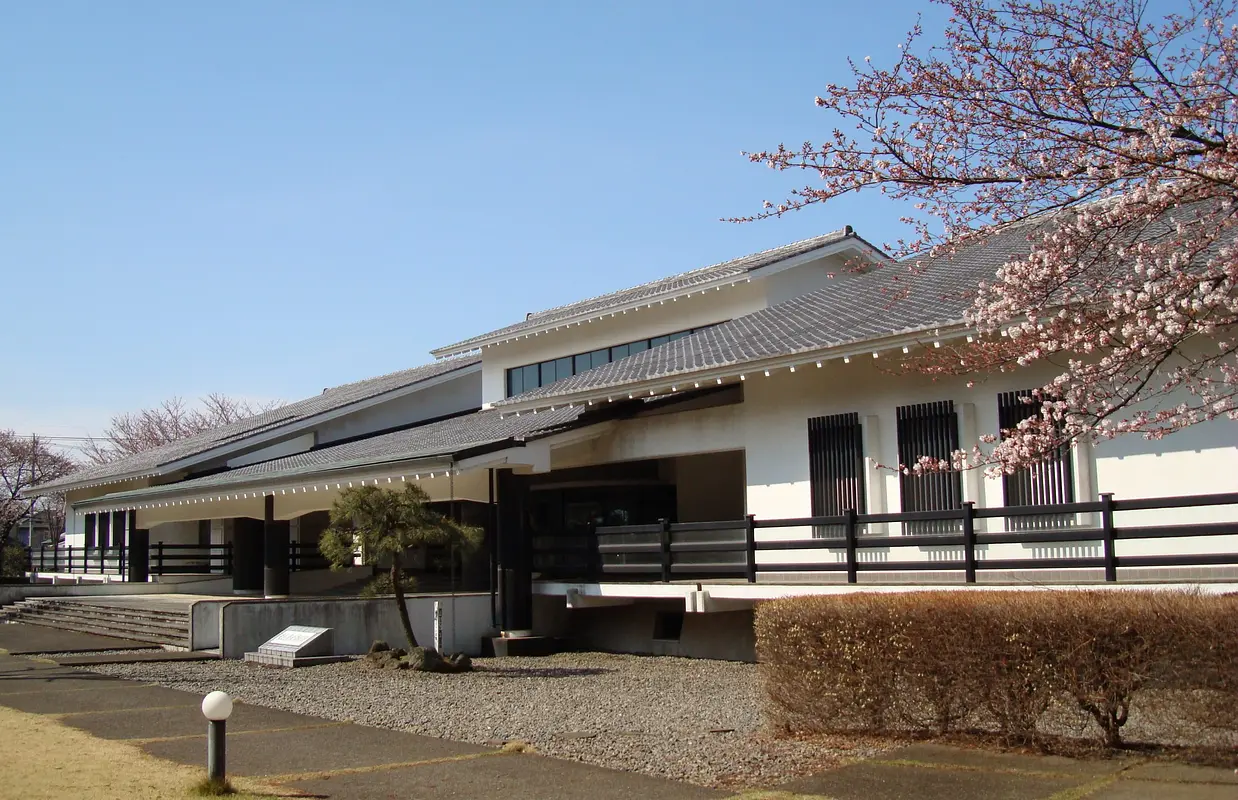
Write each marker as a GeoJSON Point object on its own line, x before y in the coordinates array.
{"type": "Point", "coordinates": [675, 286]}
{"type": "Point", "coordinates": [150, 462]}
{"type": "Point", "coordinates": [445, 438]}
{"type": "Point", "coordinates": [882, 302]}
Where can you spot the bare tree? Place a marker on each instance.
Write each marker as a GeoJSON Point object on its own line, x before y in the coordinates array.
{"type": "Point", "coordinates": [27, 461]}
{"type": "Point", "coordinates": [171, 420]}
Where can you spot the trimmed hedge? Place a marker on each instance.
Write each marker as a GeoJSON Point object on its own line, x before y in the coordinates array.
{"type": "Point", "coordinates": [934, 662]}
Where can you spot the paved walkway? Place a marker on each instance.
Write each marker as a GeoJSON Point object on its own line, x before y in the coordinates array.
{"type": "Point", "coordinates": [343, 761]}
{"type": "Point", "coordinates": [19, 639]}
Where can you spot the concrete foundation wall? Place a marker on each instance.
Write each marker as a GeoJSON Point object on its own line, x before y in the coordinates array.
{"type": "Point", "coordinates": [723, 635]}
{"type": "Point", "coordinates": [204, 624]}
{"type": "Point", "coordinates": [245, 625]}
{"type": "Point", "coordinates": [11, 594]}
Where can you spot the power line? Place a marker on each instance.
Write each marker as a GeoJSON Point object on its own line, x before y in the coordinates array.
{"type": "Point", "coordinates": [67, 438]}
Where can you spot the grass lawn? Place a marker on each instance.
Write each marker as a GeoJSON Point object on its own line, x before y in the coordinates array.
{"type": "Point", "coordinates": [49, 760]}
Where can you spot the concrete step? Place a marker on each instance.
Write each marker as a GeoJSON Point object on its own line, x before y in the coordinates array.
{"type": "Point", "coordinates": [109, 622]}
{"type": "Point", "coordinates": [158, 626]}
{"type": "Point", "coordinates": [116, 633]}
{"type": "Point", "coordinates": [125, 612]}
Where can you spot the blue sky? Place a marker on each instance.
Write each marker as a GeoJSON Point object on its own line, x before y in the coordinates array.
{"type": "Point", "coordinates": [268, 198]}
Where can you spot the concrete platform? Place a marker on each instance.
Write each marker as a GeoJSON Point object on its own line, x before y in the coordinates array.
{"type": "Point", "coordinates": [19, 639]}
{"type": "Point", "coordinates": [312, 750]}
{"type": "Point", "coordinates": [502, 777]}
{"type": "Point", "coordinates": [135, 657]}
{"type": "Point", "coordinates": [870, 781]}
{"type": "Point", "coordinates": [123, 696]}
{"type": "Point", "coordinates": [187, 722]}
{"type": "Point", "coordinates": [48, 680]}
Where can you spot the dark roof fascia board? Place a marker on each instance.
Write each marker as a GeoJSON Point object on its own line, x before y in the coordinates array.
{"type": "Point", "coordinates": [850, 242]}
{"type": "Point", "coordinates": [665, 383]}
{"type": "Point", "coordinates": [298, 426]}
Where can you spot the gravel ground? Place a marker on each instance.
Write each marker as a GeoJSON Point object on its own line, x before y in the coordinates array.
{"type": "Point", "coordinates": [687, 719]}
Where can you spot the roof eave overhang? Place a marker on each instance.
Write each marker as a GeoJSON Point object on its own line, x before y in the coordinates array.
{"type": "Point", "coordinates": [850, 243]}
{"type": "Point", "coordinates": [61, 487]}
{"type": "Point", "coordinates": [285, 481]}
{"type": "Point", "coordinates": [740, 371]}
{"type": "Point", "coordinates": [269, 435]}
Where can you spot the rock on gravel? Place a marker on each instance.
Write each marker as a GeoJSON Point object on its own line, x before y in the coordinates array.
{"type": "Point", "coordinates": [687, 719]}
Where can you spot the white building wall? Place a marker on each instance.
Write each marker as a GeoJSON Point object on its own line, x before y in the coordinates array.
{"type": "Point", "coordinates": [770, 426]}
{"type": "Point", "coordinates": [461, 393]}
{"type": "Point", "coordinates": [798, 281]}
{"type": "Point", "coordinates": [298, 444]}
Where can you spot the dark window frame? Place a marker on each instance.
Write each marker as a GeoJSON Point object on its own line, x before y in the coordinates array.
{"type": "Point", "coordinates": [567, 366]}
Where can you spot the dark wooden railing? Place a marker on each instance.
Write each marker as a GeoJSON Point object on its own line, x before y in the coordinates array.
{"type": "Point", "coordinates": [165, 559]}
{"type": "Point", "coordinates": [85, 560]}
{"type": "Point", "coordinates": [190, 559]}
{"type": "Point", "coordinates": [666, 551]}
{"type": "Point", "coordinates": [302, 556]}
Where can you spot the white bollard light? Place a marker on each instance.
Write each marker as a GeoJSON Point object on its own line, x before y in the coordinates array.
{"type": "Point", "coordinates": [216, 707]}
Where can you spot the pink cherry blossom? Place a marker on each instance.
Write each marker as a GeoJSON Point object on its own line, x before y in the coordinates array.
{"type": "Point", "coordinates": [1109, 141]}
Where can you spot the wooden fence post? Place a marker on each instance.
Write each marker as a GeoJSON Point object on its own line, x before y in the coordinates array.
{"type": "Point", "coordinates": [750, 542]}
{"type": "Point", "coordinates": [665, 541]}
{"type": "Point", "coordinates": [969, 540]}
{"type": "Point", "coordinates": [852, 536]}
{"type": "Point", "coordinates": [1109, 536]}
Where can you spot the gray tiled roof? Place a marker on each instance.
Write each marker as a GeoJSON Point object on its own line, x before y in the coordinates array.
{"type": "Point", "coordinates": [664, 287]}
{"type": "Point", "coordinates": [442, 438]}
{"type": "Point", "coordinates": [882, 302]}
{"type": "Point", "coordinates": [148, 462]}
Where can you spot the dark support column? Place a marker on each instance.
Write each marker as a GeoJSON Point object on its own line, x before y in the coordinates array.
{"type": "Point", "coordinates": [105, 526]}
{"type": "Point", "coordinates": [118, 528]}
{"type": "Point", "coordinates": [139, 551]}
{"type": "Point", "coordinates": [275, 557]}
{"type": "Point", "coordinates": [247, 549]}
{"type": "Point", "coordinates": [91, 519]}
{"type": "Point", "coordinates": [515, 556]}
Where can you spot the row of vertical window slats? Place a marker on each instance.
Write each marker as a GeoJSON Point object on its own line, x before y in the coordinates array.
{"type": "Point", "coordinates": [1051, 482]}
{"type": "Point", "coordinates": [836, 463]}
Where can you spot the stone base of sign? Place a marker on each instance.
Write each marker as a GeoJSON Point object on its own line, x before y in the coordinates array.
{"type": "Point", "coordinates": [297, 646]}
{"type": "Point", "coordinates": [288, 660]}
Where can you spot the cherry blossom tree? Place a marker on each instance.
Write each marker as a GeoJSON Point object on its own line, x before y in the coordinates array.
{"type": "Point", "coordinates": [171, 420]}
{"type": "Point", "coordinates": [1108, 139]}
{"type": "Point", "coordinates": [26, 461]}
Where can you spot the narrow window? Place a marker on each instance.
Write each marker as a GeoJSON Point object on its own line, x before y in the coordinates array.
{"type": "Point", "coordinates": [619, 351]}
{"type": "Point", "coordinates": [836, 468]}
{"type": "Point", "coordinates": [515, 381]}
{"type": "Point", "coordinates": [929, 429]}
{"type": "Point", "coordinates": [1051, 482]}
{"type": "Point", "coordinates": [531, 379]}
{"type": "Point", "coordinates": [638, 347]}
